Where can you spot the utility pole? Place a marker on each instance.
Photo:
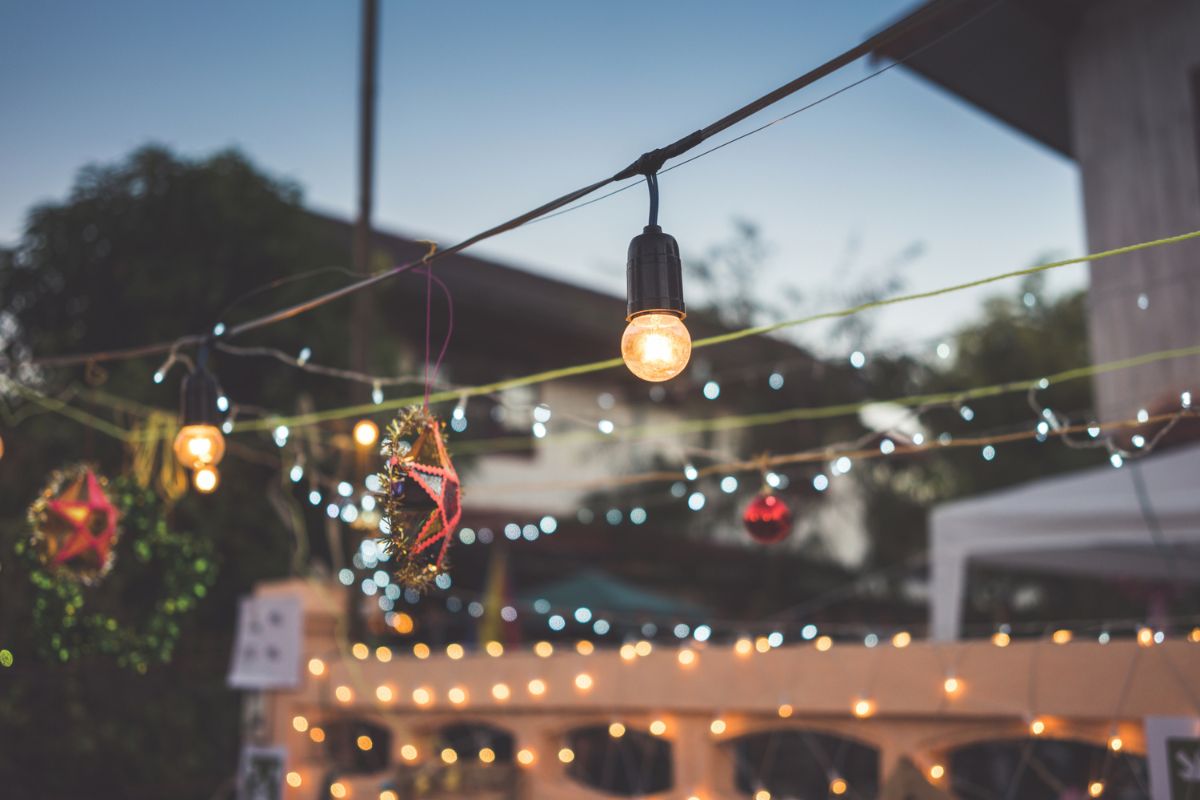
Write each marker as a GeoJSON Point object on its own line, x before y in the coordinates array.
{"type": "Point", "coordinates": [360, 316]}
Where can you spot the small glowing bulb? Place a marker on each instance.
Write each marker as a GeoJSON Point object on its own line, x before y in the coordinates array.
{"type": "Point", "coordinates": [384, 654]}
{"type": "Point", "coordinates": [717, 726]}
{"type": "Point", "coordinates": [1037, 727]}
{"type": "Point", "coordinates": [1115, 744]}
{"type": "Point", "coordinates": [786, 710]}
{"type": "Point", "coordinates": [566, 755]}
{"type": "Point", "coordinates": [762, 644]}
{"type": "Point", "coordinates": [863, 708]}
{"type": "Point", "coordinates": [205, 479]}
{"type": "Point", "coordinates": [628, 652]}
{"type": "Point", "coordinates": [366, 432]}
{"type": "Point", "coordinates": [762, 794]}
{"type": "Point", "coordinates": [455, 651]}
{"type": "Point", "coordinates": [824, 643]}
{"type": "Point", "coordinates": [343, 694]}
{"type": "Point", "coordinates": [1096, 788]}
{"type": "Point", "coordinates": [501, 692]}
{"type": "Point", "coordinates": [337, 789]}
{"type": "Point", "coordinates": [656, 346]}
{"type": "Point", "coordinates": [300, 723]}
{"type": "Point", "coordinates": [1001, 639]}
{"type": "Point", "coordinates": [487, 755]}
{"type": "Point", "coordinates": [584, 647]}
{"type": "Point", "coordinates": [294, 780]}
{"type": "Point", "coordinates": [422, 696]}
{"type": "Point", "coordinates": [421, 650]}
{"type": "Point", "coordinates": [360, 651]}
{"type": "Point", "coordinates": [316, 667]}
{"type": "Point", "coordinates": [951, 685]}
{"type": "Point", "coordinates": [687, 657]}
{"type": "Point", "coordinates": [384, 694]}
{"type": "Point", "coordinates": [837, 786]}
{"type": "Point", "coordinates": [494, 649]}
{"type": "Point", "coordinates": [525, 756]}
{"type": "Point", "coordinates": [743, 647]}
{"type": "Point", "coordinates": [543, 649]}
{"type": "Point", "coordinates": [537, 687]}
{"type": "Point", "coordinates": [658, 727]}
{"type": "Point", "coordinates": [316, 734]}
{"type": "Point", "coordinates": [1061, 636]}
{"type": "Point", "coordinates": [644, 648]}
{"type": "Point", "coordinates": [1145, 637]}
{"type": "Point", "coordinates": [457, 695]}
{"type": "Point", "coordinates": [583, 682]}
{"type": "Point", "coordinates": [408, 752]}
{"type": "Point", "coordinates": [199, 446]}
{"type": "Point", "coordinates": [616, 730]}
{"type": "Point", "coordinates": [902, 639]}
{"type": "Point", "coordinates": [388, 794]}
{"type": "Point", "coordinates": [364, 743]}
{"type": "Point", "coordinates": [449, 755]}
{"type": "Point", "coordinates": [937, 771]}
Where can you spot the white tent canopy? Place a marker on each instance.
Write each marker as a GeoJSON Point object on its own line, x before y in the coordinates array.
{"type": "Point", "coordinates": [1085, 523]}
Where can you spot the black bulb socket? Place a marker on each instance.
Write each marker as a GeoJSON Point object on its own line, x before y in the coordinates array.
{"type": "Point", "coordinates": [654, 274]}
{"type": "Point", "coordinates": [198, 399]}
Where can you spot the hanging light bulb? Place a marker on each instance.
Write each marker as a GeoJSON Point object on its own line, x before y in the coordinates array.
{"type": "Point", "coordinates": [199, 442]}
{"type": "Point", "coordinates": [206, 479]}
{"type": "Point", "coordinates": [656, 344]}
{"type": "Point", "coordinates": [366, 432]}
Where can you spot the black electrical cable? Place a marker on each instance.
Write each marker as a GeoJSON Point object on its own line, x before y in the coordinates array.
{"type": "Point", "coordinates": [652, 182]}
{"type": "Point", "coordinates": [648, 163]}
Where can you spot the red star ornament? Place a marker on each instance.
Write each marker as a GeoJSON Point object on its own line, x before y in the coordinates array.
{"type": "Point", "coordinates": [438, 478]}
{"type": "Point", "coordinates": [91, 522]}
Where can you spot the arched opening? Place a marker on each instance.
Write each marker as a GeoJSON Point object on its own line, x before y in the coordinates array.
{"type": "Point", "coordinates": [1044, 769]}
{"type": "Point", "coordinates": [631, 764]}
{"type": "Point", "coordinates": [802, 763]}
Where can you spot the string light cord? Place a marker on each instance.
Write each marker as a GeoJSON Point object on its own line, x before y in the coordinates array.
{"type": "Point", "coordinates": [649, 162]}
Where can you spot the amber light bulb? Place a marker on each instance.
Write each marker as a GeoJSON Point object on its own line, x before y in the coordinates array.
{"type": "Point", "coordinates": [366, 433]}
{"type": "Point", "coordinates": [656, 346]}
{"type": "Point", "coordinates": [206, 479]}
{"type": "Point", "coordinates": [199, 446]}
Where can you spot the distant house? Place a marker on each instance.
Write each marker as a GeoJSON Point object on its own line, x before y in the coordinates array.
{"type": "Point", "coordinates": [1114, 86]}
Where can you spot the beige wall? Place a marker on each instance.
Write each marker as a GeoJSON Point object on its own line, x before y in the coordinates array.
{"type": "Point", "coordinates": [1081, 690]}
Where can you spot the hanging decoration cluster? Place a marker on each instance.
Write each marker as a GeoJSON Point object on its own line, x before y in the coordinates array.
{"type": "Point", "coordinates": [419, 496]}
{"type": "Point", "coordinates": [134, 614]}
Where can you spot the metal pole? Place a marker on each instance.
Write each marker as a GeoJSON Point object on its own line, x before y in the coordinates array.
{"type": "Point", "coordinates": [360, 321]}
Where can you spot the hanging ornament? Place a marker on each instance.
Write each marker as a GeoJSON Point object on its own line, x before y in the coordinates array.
{"type": "Point", "coordinates": [137, 614]}
{"type": "Point", "coordinates": [75, 524]}
{"type": "Point", "coordinates": [767, 518]}
{"type": "Point", "coordinates": [419, 497]}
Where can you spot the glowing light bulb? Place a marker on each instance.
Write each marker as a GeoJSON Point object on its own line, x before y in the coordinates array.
{"type": "Point", "coordinates": [543, 649]}
{"type": "Point", "coordinates": [616, 730]}
{"type": "Point", "coordinates": [537, 687]}
{"type": "Point", "coordinates": [656, 346]}
{"type": "Point", "coordinates": [658, 727]}
{"type": "Point", "coordinates": [317, 734]}
{"type": "Point", "coordinates": [343, 694]}
{"type": "Point", "coordinates": [384, 693]}
{"type": "Point", "coordinates": [457, 695]}
{"type": "Point", "coordinates": [717, 726]}
{"type": "Point", "coordinates": [501, 692]}
{"type": "Point", "coordinates": [364, 743]}
{"type": "Point", "coordinates": [487, 755]}
{"type": "Point", "coordinates": [1096, 788]}
{"type": "Point", "coordinates": [449, 755]}
{"type": "Point", "coordinates": [566, 755]}
{"type": "Point", "coordinates": [294, 780]}
{"type": "Point", "coordinates": [316, 667]}
{"type": "Point", "coordinates": [366, 433]}
{"type": "Point", "coordinates": [1037, 727]}
{"type": "Point", "coordinates": [337, 789]}
{"type": "Point", "coordinates": [199, 445]}
{"type": "Point", "coordinates": [408, 752]}
{"type": "Point", "coordinates": [300, 723]}
{"type": "Point", "coordinates": [1115, 744]}
{"type": "Point", "coordinates": [786, 710]}
{"type": "Point", "coordinates": [837, 786]}
{"type": "Point", "coordinates": [525, 756]}
{"type": "Point", "coordinates": [937, 771]}
{"type": "Point", "coordinates": [951, 685]}
{"type": "Point", "coordinates": [206, 479]}
{"type": "Point", "coordinates": [583, 682]}
{"type": "Point", "coordinates": [863, 708]}
{"type": "Point", "coordinates": [1001, 639]}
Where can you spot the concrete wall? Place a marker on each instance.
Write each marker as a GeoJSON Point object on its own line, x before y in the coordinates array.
{"type": "Point", "coordinates": [1135, 137]}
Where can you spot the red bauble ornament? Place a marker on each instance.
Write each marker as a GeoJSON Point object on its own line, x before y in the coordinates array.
{"type": "Point", "coordinates": [767, 519]}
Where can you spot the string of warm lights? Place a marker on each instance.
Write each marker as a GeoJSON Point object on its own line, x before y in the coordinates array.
{"type": "Point", "coordinates": [424, 697]}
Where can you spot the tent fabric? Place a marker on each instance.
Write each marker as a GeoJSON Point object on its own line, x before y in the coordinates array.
{"type": "Point", "coordinates": [1086, 523]}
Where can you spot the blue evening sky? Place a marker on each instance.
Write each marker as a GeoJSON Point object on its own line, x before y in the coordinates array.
{"type": "Point", "coordinates": [487, 109]}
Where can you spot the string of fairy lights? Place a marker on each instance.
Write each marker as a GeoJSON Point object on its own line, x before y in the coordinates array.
{"type": "Point", "coordinates": [386, 698]}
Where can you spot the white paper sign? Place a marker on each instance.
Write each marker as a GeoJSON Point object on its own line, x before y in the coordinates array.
{"type": "Point", "coordinates": [1173, 754]}
{"type": "Point", "coordinates": [266, 652]}
{"type": "Point", "coordinates": [260, 773]}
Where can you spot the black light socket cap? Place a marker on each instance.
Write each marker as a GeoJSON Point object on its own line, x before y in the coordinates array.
{"type": "Point", "coordinates": [198, 399]}
{"type": "Point", "coordinates": [654, 274]}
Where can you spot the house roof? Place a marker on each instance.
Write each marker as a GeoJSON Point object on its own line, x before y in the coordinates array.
{"type": "Point", "coordinates": [1010, 62]}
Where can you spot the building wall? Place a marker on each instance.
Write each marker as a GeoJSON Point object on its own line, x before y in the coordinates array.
{"type": "Point", "coordinates": [1131, 69]}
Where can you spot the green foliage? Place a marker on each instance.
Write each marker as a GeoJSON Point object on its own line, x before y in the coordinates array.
{"type": "Point", "coordinates": [145, 250]}
{"type": "Point", "coordinates": [137, 613]}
